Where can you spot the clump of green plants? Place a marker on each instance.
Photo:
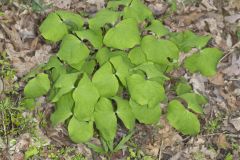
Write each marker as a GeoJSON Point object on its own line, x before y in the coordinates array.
{"type": "Point", "coordinates": [7, 74]}
{"type": "Point", "coordinates": [112, 69]}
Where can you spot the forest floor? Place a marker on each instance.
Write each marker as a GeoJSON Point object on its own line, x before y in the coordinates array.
{"type": "Point", "coordinates": [28, 134]}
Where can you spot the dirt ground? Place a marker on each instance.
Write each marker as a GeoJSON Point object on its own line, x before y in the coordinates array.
{"type": "Point", "coordinates": [24, 49]}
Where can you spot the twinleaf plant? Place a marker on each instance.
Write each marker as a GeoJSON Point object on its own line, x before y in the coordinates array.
{"type": "Point", "coordinates": [112, 69]}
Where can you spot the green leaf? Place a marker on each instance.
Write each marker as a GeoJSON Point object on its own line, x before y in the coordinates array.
{"type": "Point", "coordinates": [183, 87]}
{"type": "Point", "coordinates": [158, 28]}
{"type": "Point", "coordinates": [104, 54]}
{"type": "Point", "coordinates": [37, 87]}
{"type": "Point", "coordinates": [29, 103]}
{"type": "Point", "coordinates": [152, 72]}
{"type": "Point", "coordinates": [31, 152]}
{"type": "Point", "coordinates": [94, 37]}
{"type": "Point", "coordinates": [145, 92]}
{"type": "Point", "coordinates": [56, 68]}
{"type": "Point", "coordinates": [123, 36]}
{"type": "Point", "coordinates": [194, 101]}
{"type": "Point", "coordinates": [63, 109]}
{"type": "Point", "coordinates": [188, 40]}
{"type": "Point", "coordinates": [138, 11]}
{"type": "Point", "coordinates": [73, 51]}
{"type": "Point", "coordinates": [52, 28]}
{"type": "Point", "coordinates": [122, 68]}
{"type": "Point", "coordinates": [73, 20]}
{"type": "Point", "coordinates": [104, 16]}
{"type": "Point", "coordinates": [88, 67]}
{"type": "Point", "coordinates": [204, 62]}
{"type": "Point", "coordinates": [105, 119]}
{"type": "Point", "coordinates": [105, 81]}
{"type": "Point", "coordinates": [80, 131]}
{"type": "Point", "coordinates": [159, 51]}
{"type": "Point", "coordinates": [137, 56]}
{"type": "Point", "coordinates": [85, 96]}
{"type": "Point", "coordinates": [181, 119]}
{"type": "Point", "coordinates": [125, 113]}
{"type": "Point", "coordinates": [121, 144]}
{"type": "Point", "coordinates": [145, 114]}
{"type": "Point", "coordinates": [64, 84]}
{"type": "Point", "coordinates": [114, 4]}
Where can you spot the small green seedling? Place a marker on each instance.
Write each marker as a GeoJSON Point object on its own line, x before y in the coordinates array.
{"type": "Point", "coordinates": [113, 67]}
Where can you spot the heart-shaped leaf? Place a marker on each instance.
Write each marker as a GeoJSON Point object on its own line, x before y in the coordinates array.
{"type": "Point", "coordinates": [80, 131]}
{"type": "Point", "coordinates": [37, 87]}
{"type": "Point", "coordinates": [94, 37]}
{"type": "Point", "coordinates": [115, 4]}
{"type": "Point", "coordinates": [52, 28]}
{"type": "Point", "coordinates": [122, 67]}
{"type": "Point", "coordinates": [125, 113]}
{"type": "Point", "coordinates": [85, 97]}
{"type": "Point", "coordinates": [64, 84]}
{"type": "Point", "coordinates": [63, 109]}
{"type": "Point", "coordinates": [152, 72]}
{"type": "Point", "coordinates": [145, 114]}
{"type": "Point", "coordinates": [106, 120]}
{"type": "Point", "coordinates": [138, 11]}
{"type": "Point", "coordinates": [123, 36]}
{"type": "Point", "coordinates": [56, 67]}
{"type": "Point", "coordinates": [158, 28]}
{"type": "Point", "coordinates": [181, 119]}
{"type": "Point", "coordinates": [194, 101]}
{"type": "Point", "coordinates": [183, 87]}
{"type": "Point", "coordinates": [137, 56]}
{"type": "Point", "coordinates": [73, 20]}
{"type": "Point", "coordinates": [104, 16]}
{"type": "Point", "coordinates": [159, 51]}
{"type": "Point", "coordinates": [73, 51]}
{"type": "Point", "coordinates": [105, 81]}
{"type": "Point", "coordinates": [145, 92]}
{"type": "Point", "coordinates": [188, 40]}
{"type": "Point", "coordinates": [204, 62]}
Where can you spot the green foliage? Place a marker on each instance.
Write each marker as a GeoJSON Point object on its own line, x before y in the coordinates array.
{"type": "Point", "coordinates": [204, 62]}
{"type": "Point", "coordinates": [128, 28]}
{"type": "Point", "coordinates": [182, 119]}
{"type": "Point", "coordinates": [109, 69]}
{"type": "Point", "coordinates": [37, 86]}
{"type": "Point", "coordinates": [187, 40]}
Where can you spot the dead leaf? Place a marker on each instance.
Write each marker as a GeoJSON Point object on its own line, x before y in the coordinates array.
{"type": "Point", "coordinates": [217, 79]}
{"type": "Point", "coordinates": [190, 18]}
{"type": "Point", "coordinates": [234, 68]}
{"type": "Point", "coordinates": [209, 5]}
{"type": "Point", "coordinates": [233, 18]}
{"type": "Point", "coordinates": [230, 98]}
{"type": "Point", "coordinates": [236, 123]}
{"type": "Point", "coordinates": [14, 37]}
{"type": "Point", "coordinates": [63, 4]}
{"type": "Point", "coordinates": [197, 81]}
{"type": "Point", "coordinates": [234, 4]}
{"type": "Point", "coordinates": [222, 142]}
{"type": "Point", "coordinates": [99, 3]}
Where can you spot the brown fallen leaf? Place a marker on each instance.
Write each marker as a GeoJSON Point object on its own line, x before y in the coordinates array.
{"type": "Point", "coordinates": [217, 79]}
{"type": "Point", "coordinates": [209, 5]}
{"type": "Point", "coordinates": [14, 37]}
{"type": "Point", "coordinates": [222, 142]}
{"type": "Point", "coordinates": [236, 123]}
{"type": "Point", "coordinates": [234, 4]}
{"type": "Point", "coordinates": [190, 18]}
{"type": "Point", "coordinates": [233, 18]}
